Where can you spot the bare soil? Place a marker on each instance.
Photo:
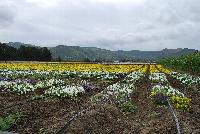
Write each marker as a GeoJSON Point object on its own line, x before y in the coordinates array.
{"type": "Point", "coordinates": [50, 115]}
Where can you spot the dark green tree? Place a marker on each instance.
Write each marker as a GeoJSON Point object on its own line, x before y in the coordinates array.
{"type": "Point", "coordinates": [46, 54]}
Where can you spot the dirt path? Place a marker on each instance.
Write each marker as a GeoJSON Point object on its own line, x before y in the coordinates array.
{"type": "Point", "coordinates": [151, 118]}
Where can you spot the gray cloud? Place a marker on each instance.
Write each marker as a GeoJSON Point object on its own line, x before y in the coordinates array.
{"type": "Point", "coordinates": [127, 24]}
{"type": "Point", "coordinates": [6, 16]}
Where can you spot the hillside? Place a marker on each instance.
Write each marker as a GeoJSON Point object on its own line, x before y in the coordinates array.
{"type": "Point", "coordinates": [92, 53]}
{"type": "Point", "coordinates": [77, 53]}
{"type": "Point", "coordinates": [81, 53]}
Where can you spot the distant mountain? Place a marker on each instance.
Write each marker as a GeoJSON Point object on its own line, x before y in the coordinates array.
{"type": "Point", "coordinates": [76, 53]}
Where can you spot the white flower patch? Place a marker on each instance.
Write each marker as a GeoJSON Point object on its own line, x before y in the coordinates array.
{"type": "Point", "coordinates": [10, 73]}
{"type": "Point", "coordinates": [19, 87]}
{"type": "Point", "coordinates": [167, 90]}
{"type": "Point", "coordinates": [49, 83]}
{"type": "Point", "coordinates": [99, 75]}
{"type": "Point", "coordinates": [65, 91]}
{"type": "Point", "coordinates": [56, 74]}
{"type": "Point", "coordinates": [134, 76]}
{"type": "Point", "coordinates": [186, 79]}
{"type": "Point", "coordinates": [6, 84]}
{"type": "Point", "coordinates": [120, 88]}
{"type": "Point", "coordinates": [158, 77]}
{"type": "Point", "coordinates": [120, 92]}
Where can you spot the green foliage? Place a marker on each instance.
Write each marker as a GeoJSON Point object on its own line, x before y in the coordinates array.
{"type": "Point", "coordinates": [38, 97]}
{"type": "Point", "coordinates": [189, 63]}
{"type": "Point", "coordinates": [120, 98]}
{"type": "Point", "coordinates": [7, 122]}
{"type": "Point", "coordinates": [24, 53]}
{"type": "Point", "coordinates": [128, 107]}
{"type": "Point", "coordinates": [154, 114]}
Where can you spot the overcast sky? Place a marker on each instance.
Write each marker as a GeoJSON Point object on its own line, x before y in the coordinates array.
{"type": "Point", "coordinates": [110, 24]}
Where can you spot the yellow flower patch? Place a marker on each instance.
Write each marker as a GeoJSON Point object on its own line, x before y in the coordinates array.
{"type": "Point", "coordinates": [83, 67]}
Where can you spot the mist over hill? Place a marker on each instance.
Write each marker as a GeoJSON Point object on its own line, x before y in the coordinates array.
{"type": "Point", "coordinates": [77, 53]}
{"type": "Point", "coordinates": [19, 44]}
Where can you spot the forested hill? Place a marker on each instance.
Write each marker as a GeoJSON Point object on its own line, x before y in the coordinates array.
{"type": "Point", "coordinates": [92, 53]}
{"type": "Point", "coordinates": [77, 53]}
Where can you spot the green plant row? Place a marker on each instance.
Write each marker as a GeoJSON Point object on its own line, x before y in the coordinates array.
{"type": "Point", "coordinates": [188, 63]}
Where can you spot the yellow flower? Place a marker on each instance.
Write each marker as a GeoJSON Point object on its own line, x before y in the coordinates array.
{"type": "Point", "coordinates": [123, 68]}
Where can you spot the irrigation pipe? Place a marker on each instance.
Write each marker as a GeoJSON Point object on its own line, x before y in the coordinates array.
{"type": "Point", "coordinates": [62, 130]}
{"type": "Point", "coordinates": [175, 117]}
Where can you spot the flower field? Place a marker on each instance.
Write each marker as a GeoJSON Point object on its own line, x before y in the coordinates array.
{"type": "Point", "coordinates": [115, 98]}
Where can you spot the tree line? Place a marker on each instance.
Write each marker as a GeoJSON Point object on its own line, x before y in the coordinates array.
{"type": "Point", "coordinates": [24, 53]}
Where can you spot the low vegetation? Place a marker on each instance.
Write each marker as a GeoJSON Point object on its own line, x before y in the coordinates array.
{"type": "Point", "coordinates": [7, 122]}
{"type": "Point", "coordinates": [187, 63]}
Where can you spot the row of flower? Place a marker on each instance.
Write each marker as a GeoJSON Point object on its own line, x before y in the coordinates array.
{"type": "Point", "coordinates": [161, 92]}
{"type": "Point", "coordinates": [6, 74]}
{"type": "Point", "coordinates": [19, 87]}
{"type": "Point", "coordinates": [41, 75]}
{"type": "Point", "coordinates": [36, 75]}
{"type": "Point", "coordinates": [188, 80]}
{"type": "Point", "coordinates": [78, 67]}
{"type": "Point", "coordinates": [53, 83]}
{"type": "Point", "coordinates": [158, 78]}
{"type": "Point", "coordinates": [120, 92]}
{"type": "Point", "coordinates": [163, 69]}
{"type": "Point", "coordinates": [52, 87]}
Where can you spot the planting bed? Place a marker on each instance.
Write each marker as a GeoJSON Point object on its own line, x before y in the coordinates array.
{"type": "Point", "coordinates": [97, 99]}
